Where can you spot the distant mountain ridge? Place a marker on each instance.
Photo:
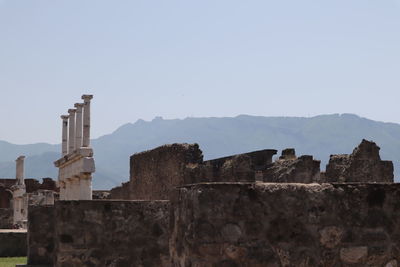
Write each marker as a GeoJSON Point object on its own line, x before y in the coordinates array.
{"type": "Point", "coordinates": [319, 136]}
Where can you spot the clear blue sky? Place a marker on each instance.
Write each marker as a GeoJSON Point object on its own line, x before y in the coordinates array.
{"type": "Point", "coordinates": [176, 59]}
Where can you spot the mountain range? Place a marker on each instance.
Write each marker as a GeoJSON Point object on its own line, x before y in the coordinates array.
{"type": "Point", "coordinates": [319, 136]}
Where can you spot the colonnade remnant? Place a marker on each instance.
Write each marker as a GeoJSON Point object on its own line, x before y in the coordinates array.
{"type": "Point", "coordinates": [19, 190]}
{"type": "Point", "coordinates": [76, 165]}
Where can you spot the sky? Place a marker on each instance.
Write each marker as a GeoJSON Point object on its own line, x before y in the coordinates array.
{"type": "Point", "coordinates": [209, 58]}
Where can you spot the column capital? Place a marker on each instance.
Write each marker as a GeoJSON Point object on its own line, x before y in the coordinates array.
{"type": "Point", "coordinates": [20, 158]}
{"type": "Point", "coordinates": [79, 105]}
{"type": "Point", "coordinates": [71, 111]}
{"type": "Point", "coordinates": [64, 117]}
{"type": "Point", "coordinates": [87, 98]}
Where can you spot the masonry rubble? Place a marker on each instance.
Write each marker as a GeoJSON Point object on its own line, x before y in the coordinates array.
{"type": "Point", "coordinates": [363, 165]}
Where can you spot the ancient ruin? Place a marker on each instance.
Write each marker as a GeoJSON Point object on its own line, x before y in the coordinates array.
{"type": "Point", "coordinates": [178, 209]}
{"type": "Point", "coordinates": [77, 163]}
{"type": "Point", "coordinates": [242, 210]}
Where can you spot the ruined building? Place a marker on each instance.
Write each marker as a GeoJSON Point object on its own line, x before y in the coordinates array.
{"type": "Point", "coordinates": [17, 194]}
{"type": "Point", "coordinates": [363, 165]}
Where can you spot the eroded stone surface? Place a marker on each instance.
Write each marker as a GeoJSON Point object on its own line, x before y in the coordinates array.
{"type": "Point", "coordinates": [256, 224]}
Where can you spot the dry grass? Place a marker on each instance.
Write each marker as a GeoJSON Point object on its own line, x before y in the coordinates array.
{"type": "Point", "coordinates": [11, 262]}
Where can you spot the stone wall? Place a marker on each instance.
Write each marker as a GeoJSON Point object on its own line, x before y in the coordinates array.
{"type": "Point", "coordinates": [41, 235]}
{"type": "Point", "coordinates": [363, 165]}
{"type": "Point", "coordinates": [267, 224]}
{"type": "Point", "coordinates": [6, 218]}
{"type": "Point", "coordinates": [112, 233]}
{"type": "Point", "coordinates": [12, 243]}
{"type": "Point", "coordinates": [154, 173]}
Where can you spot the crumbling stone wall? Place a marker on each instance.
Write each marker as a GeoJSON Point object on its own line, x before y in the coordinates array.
{"type": "Point", "coordinates": [363, 165]}
{"type": "Point", "coordinates": [236, 168]}
{"type": "Point", "coordinates": [41, 221]}
{"type": "Point", "coordinates": [6, 218]}
{"type": "Point", "coordinates": [120, 192]}
{"type": "Point", "coordinates": [112, 233]}
{"type": "Point", "coordinates": [278, 224]}
{"type": "Point", "coordinates": [291, 169]}
{"type": "Point", "coordinates": [155, 172]}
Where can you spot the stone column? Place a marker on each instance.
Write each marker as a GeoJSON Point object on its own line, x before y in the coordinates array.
{"type": "Point", "coordinates": [20, 170]}
{"type": "Point", "coordinates": [71, 138]}
{"type": "Point", "coordinates": [78, 125]}
{"type": "Point", "coordinates": [86, 120]}
{"type": "Point", "coordinates": [64, 146]}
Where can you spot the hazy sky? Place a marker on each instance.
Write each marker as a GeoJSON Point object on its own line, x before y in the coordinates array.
{"type": "Point", "coordinates": [176, 59]}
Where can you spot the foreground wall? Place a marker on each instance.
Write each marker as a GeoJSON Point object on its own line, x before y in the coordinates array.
{"type": "Point", "coordinates": [41, 235]}
{"type": "Point", "coordinates": [111, 233]}
{"type": "Point", "coordinates": [12, 243]}
{"type": "Point", "coordinates": [270, 224]}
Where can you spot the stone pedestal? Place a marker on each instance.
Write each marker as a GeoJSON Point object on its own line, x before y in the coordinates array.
{"type": "Point", "coordinates": [75, 174]}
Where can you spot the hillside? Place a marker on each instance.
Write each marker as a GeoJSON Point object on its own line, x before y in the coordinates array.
{"type": "Point", "coordinates": [319, 136]}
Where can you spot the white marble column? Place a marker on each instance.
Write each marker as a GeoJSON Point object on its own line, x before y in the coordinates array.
{"type": "Point", "coordinates": [78, 125]}
{"type": "Point", "coordinates": [20, 170]}
{"type": "Point", "coordinates": [86, 120]}
{"type": "Point", "coordinates": [71, 137]}
{"type": "Point", "coordinates": [64, 144]}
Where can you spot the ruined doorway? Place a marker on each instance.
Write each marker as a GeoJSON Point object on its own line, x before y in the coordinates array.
{"type": "Point", "coordinates": [5, 198]}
